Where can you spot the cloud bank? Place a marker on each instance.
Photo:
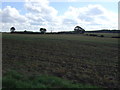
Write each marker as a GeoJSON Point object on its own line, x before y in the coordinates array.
{"type": "Point", "coordinates": [41, 14]}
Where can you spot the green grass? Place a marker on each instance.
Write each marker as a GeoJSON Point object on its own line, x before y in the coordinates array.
{"type": "Point", "coordinates": [28, 37]}
{"type": "Point", "coordinates": [16, 80]}
{"type": "Point", "coordinates": [78, 58]}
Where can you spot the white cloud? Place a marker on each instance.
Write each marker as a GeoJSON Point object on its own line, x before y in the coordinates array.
{"type": "Point", "coordinates": [41, 14]}
{"type": "Point", "coordinates": [62, 0]}
{"type": "Point", "coordinates": [12, 15]}
{"type": "Point", "coordinates": [41, 10]}
{"type": "Point", "coordinates": [0, 11]}
{"type": "Point", "coordinates": [91, 15]}
{"type": "Point", "coordinates": [0, 14]}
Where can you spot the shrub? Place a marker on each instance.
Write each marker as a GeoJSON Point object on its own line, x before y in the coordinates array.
{"type": "Point", "coordinates": [101, 35]}
{"type": "Point", "coordinates": [93, 35]}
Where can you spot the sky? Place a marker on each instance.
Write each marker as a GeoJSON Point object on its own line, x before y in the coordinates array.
{"type": "Point", "coordinates": [58, 16]}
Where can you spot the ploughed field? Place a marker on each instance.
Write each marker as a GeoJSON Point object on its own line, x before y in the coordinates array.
{"type": "Point", "coordinates": [78, 58]}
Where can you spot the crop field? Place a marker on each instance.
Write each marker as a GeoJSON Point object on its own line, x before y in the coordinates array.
{"type": "Point", "coordinates": [78, 58]}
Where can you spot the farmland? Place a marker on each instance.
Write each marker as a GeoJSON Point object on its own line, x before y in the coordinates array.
{"type": "Point", "coordinates": [78, 58]}
{"type": "Point", "coordinates": [106, 34]}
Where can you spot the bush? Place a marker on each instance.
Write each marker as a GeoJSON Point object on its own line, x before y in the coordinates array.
{"type": "Point", "coordinates": [101, 35]}
{"type": "Point", "coordinates": [93, 35]}
{"type": "Point", "coordinates": [87, 34]}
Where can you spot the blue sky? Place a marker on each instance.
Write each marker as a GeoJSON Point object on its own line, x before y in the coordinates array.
{"type": "Point", "coordinates": [17, 5]}
{"type": "Point", "coordinates": [30, 15]}
{"type": "Point", "coordinates": [63, 6]}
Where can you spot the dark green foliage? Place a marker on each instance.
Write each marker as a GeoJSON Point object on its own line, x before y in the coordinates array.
{"type": "Point", "coordinates": [78, 29]}
{"type": "Point", "coordinates": [108, 35]}
{"type": "Point", "coordinates": [12, 29]}
{"type": "Point", "coordinates": [16, 80]}
{"type": "Point", "coordinates": [92, 35]}
{"type": "Point", "coordinates": [43, 30]}
{"type": "Point", "coordinates": [101, 35]}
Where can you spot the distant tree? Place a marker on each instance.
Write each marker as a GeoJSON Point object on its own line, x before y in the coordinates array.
{"type": "Point", "coordinates": [25, 31]}
{"type": "Point", "coordinates": [43, 30]}
{"type": "Point", "coordinates": [12, 29]}
{"type": "Point", "coordinates": [78, 29]}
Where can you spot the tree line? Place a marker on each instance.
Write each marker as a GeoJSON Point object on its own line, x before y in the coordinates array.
{"type": "Point", "coordinates": [77, 29]}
